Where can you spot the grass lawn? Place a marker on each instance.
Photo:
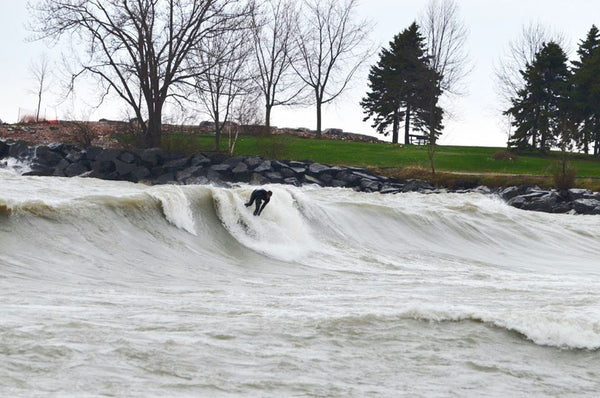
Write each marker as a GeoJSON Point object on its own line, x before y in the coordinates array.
{"type": "Point", "coordinates": [399, 159]}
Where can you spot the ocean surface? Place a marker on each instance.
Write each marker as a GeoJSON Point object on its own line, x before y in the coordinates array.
{"type": "Point", "coordinates": [121, 289]}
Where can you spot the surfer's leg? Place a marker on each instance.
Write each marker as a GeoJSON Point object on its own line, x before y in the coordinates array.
{"type": "Point", "coordinates": [258, 203]}
{"type": "Point", "coordinates": [252, 199]}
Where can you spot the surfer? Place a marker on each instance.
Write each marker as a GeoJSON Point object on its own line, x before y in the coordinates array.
{"type": "Point", "coordinates": [260, 196]}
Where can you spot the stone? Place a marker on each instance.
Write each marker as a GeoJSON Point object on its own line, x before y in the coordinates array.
{"type": "Point", "coordinates": [199, 160]}
{"type": "Point", "coordinates": [586, 206]}
{"type": "Point", "coordinates": [139, 173]}
{"type": "Point", "coordinates": [103, 166]}
{"type": "Point", "coordinates": [258, 179]}
{"type": "Point", "coordinates": [253, 161]}
{"type": "Point", "coordinates": [317, 168]}
{"type": "Point", "coordinates": [240, 168]}
{"type": "Point", "coordinates": [127, 157]}
{"type": "Point", "coordinates": [3, 149]}
{"type": "Point", "coordinates": [509, 193]}
{"type": "Point", "coordinates": [75, 169]}
{"type": "Point", "coordinates": [151, 157]}
{"type": "Point", "coordinates": [46, 157]}
{"type": "Point", "coordinates": [123, 168]}
{"type": "Point", "coordinates": [264, 166]}
{"type": "Point", "coordinates": [19, 150]}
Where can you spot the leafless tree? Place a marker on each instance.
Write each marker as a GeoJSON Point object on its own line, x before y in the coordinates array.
{"type": "Point", "coordinates": [224, 74]}
{"type": "Point", "coordinates": [332, 48]}
{"type": "Point", "coordinates": [135, 48]}
{"type": "Point", "coordinates": [39, 70]}
{"type": "Point", "coordinates": [520, 53]}
{"type": "Point", "coordinates": [274, 26]}
{"type": "Point", "coordinates": [446, 35]}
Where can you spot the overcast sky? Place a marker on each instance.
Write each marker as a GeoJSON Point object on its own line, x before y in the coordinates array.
{"type": "Point", "coordinates": [492, 25]}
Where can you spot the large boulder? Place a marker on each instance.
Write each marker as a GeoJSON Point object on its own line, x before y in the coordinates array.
{"type": "Point", "coordinates": [586, 206]}
{"type": "Point", "coordinates": [3, 149]}
{"type": "Point", "coordinates": [19, 150]}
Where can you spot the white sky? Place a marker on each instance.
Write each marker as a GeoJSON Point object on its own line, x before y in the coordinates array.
{"type": "Point", "coordinates": [492, 24]}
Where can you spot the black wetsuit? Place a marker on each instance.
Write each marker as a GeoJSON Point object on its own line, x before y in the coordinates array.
{"type": "Point", "coordinates": [260, 196]}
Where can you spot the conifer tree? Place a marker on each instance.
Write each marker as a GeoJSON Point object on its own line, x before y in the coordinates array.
{"type": "Point", "coordinates": [403, 87]}
{"type": "Point", "coordinates": [538, 106]}
{"type": "Point", "coordinates": [586, 91]}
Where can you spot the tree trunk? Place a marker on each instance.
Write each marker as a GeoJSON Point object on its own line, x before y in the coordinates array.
{"type": "Point", "coordinates": [319, 118]}
{"type": "Point", "coordinates": [218, 129]}
{"type": "Point", "coordinates": [407, 125]}
{"type": "Point", "coordinates": [153, 132]}
{"type": "Point", "coordinates": [37, 115]}
{"type": "Point", "coordinates": [268, 118]}
{"type": "Point", "coordinates": [395, 127]}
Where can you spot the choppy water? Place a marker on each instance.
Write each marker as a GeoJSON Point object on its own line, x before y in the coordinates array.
{"type": "Point", "coordinates": [113, 288]}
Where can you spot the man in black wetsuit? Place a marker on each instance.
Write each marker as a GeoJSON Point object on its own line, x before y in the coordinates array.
{"type": "Point", "coordinates": [260, 196]}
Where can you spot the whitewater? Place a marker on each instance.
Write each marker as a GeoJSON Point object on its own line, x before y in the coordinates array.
{"type": "Point", "coordinates": [119, 289]}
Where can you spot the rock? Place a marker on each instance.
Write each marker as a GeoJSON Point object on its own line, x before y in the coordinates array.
{"type": "Point", "coordinates": [274, 177]}
{"type": "Point", "coordinates": [286, 172]}
{"type": "Point", "coordinates": [317, 168]}
{"type": "Point", "coordinates": [93, 152]}
{"type": "Point", "coordinates": [292, 181]}
{"type": "Point", "coordinates": [124, 169]}
{"type": "Point", "coordinates": [3, 149]}
{"type": "Point", "coordinates": [75, 169]}
{"type": "Point", "coordinates": [509, 193]}
{"type": "Point", "coordinates": [221, 167]}
{"type": "Point", "coordinates": [200, 160]}
{"type": "Point", "coordinates": [19, 150]}
{"type": "Point", "coordinates": [139, 173]}
{"type": "Point", "coordinates": [190, 172]}
{"type": "Point", "coordinates": [176, 164]}
{"type": "Point", "coordinates": [166, 178]}
{"type": "Point", "coordinates": [311, 180]}
{"type": "Point", "coordinates": [151, 157]}
{"type": "Point", "coordinates": [368, 185]}
{"type": "Point", "coordinates": [127, 157]}
{"type": "Point", "coordinates": [264, 166]}
{"type": "Point", "coordinates": [46, 157]}
{"type": "Point", "coordinates": [586, 206]}
{"type": "Point", "coordinates": [417, 186]}
{"type": "Point", "coordinates": [253, 161]}
{"type": "Point", "coordinates": [103, 166]}
{"type": "Point", "coordinates": [200, 180]}
{"type": "Point", "coordinates": [240, 168]}
{"type": "Point", "coordinates": [544, 203]}
{"type": "Point", "coordinates": [258, 179]}
{"type": "Point", "coordinates": [576, 193]}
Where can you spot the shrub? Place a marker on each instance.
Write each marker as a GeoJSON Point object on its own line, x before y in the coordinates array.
{"type": "Point", "coordinates": [563, 174]}
{"type": "Point", "coordinates": [504, 155]}
{"type": "Point", "coordinates": [84, 133]}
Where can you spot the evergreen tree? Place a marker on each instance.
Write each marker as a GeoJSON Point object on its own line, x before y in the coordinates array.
{"type": "Point", "coordinates": [586, 91]}
{"type": "Point", "coordinates": [538, 106]}
{"type": "Point", "coordinates": [403, 87]}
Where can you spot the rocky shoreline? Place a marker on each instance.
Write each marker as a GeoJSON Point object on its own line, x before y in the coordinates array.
{"type": "Point", "coordinates": [152, 166]}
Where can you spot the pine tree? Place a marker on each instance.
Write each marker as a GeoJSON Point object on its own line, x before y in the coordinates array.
{"type": "Point", "coordinates": [403, 87]}
{"type": "Point", "coordinates": [538, 106]}
{"type": "Point", "coordinates": [586, 91]}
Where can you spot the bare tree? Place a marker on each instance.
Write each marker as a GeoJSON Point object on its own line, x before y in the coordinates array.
{"type": "Point", "coordinates": [332, 48]}
{"type": "Point", "coordinates": [446, 36]}
{"type": "Point", "coordinates": [135, 48]}
{"type": "Point", "coordinates": [520, 53]}
{"type": "Point", "coordinates": [274, 26]}
{"type": "Point", "coordinates": [39, 70]}
{"type": "Point", "coordinates": [223, 75]}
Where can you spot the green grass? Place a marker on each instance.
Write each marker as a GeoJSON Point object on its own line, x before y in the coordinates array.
{"type": "Point", "coordinates": [398, 159]}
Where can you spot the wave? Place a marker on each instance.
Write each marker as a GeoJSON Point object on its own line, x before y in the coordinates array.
{"type": "Point", "coordinates": [300, 222]}
{"type": "Point", "coordinates": [551, 330]}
